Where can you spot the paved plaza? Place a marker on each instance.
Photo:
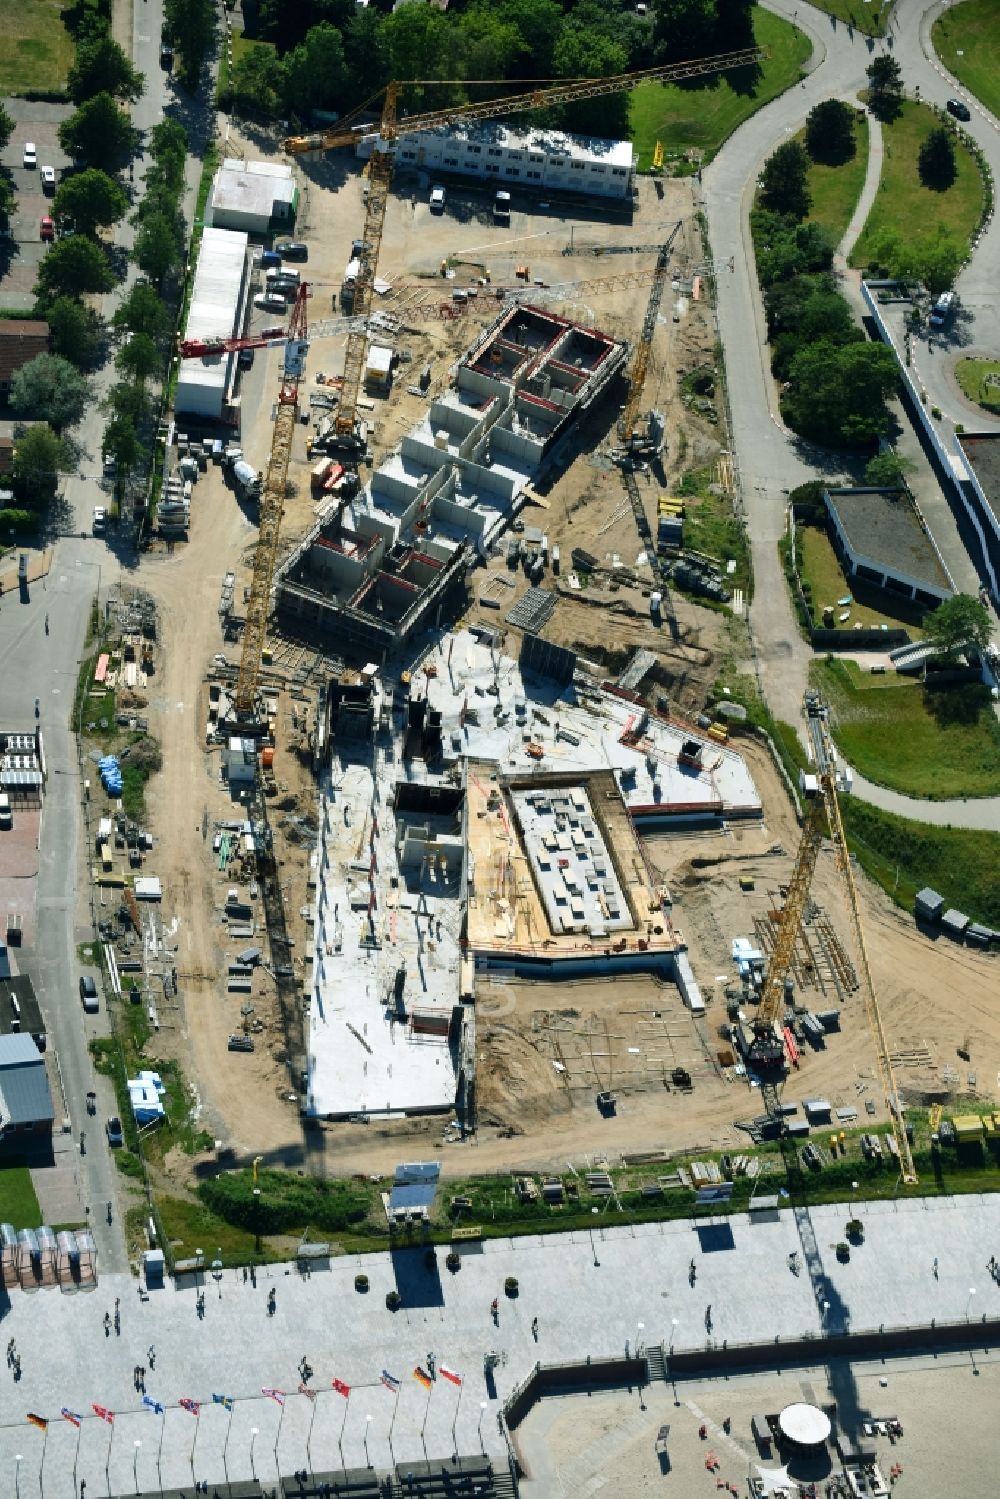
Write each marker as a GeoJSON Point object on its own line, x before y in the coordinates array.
{"type": "Point", "coordinates": [590, 1292]}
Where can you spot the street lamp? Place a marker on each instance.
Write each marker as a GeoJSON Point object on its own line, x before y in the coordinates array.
{"type": "Point", "coordinates": [135, 1464]}
{"type": "Point", "coordinates": [482, 1412]}
{"type": "Point", "coordinates": [254, 1432]}
{"type": "Point", "coordinates": [673, 1333]}
{"type": "Point", "coordinates": [854, 1188]}
{"type": "Point", "coordinates": [968, 1304]}
{"type": "Point", "coordinates": [256, 1218]}
{"type": "Point", "coordinates": [824, 1307]}
{"type": "Point", "coordinates": [638, 1341]}
{"type": "Point", "coordinates": [368, 1422]}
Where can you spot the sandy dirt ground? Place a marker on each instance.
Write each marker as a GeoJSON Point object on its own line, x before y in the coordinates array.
{"type": "Point", "coordinates": [604, 1442]}
{"type": "Point", "coordinates": [631, 1033]}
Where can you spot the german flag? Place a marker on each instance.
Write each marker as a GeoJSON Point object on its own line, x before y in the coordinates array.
{"type": "Point", "coordinates": [38, 1421]}
{"type": "Point", "coordinates": [422, 1377]}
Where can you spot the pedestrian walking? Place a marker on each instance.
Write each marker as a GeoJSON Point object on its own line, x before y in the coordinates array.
{"type": "Point", "coordinates": [151, 1354]}
{"type": "Point", "coordinates": [534, 1328]}
{"type": "Point", "coordinates": [495, 1310]}
{"type": "Point", "coordinates": [244, 1274]}
{"type": "Point", "coordinates": [935, 1267]}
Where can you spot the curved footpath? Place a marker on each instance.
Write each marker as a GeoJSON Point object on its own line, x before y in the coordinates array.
{"type": "Point", "coordinates": [771, 459]}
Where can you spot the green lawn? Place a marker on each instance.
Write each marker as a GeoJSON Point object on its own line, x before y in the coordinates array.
{"type": "Point", "coordinates": [937, 745]}
{"type": "Point", "coordinates": [819, 566]}
{"type": "Point", "coordinates": [710, 526]}
{"type": "Point", "coordinates": [834, 191]}
{"type": "Point", "coordinates": [705, 117]}
{"type": "Point", "coordinates": [971, 375]}
{"type": "Point", "coordinates": [904, 204]}
{"type": "Point", "coordinates": [967, 40]}
{"type": "Point", "coordinates": [18, 1203]}
{"type": "Point", "coordinates": [903, 856]}
{"type": "Point", "coordinates": [870, 18]}
{"type": "Point", "coordinates": [38, 50]}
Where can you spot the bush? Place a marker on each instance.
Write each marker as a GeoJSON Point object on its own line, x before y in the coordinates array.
{"type": "Point", "coordinates": [393, 1300]}
{"type": "Point", "coordinates": [454, 1260]}
{"type": "Point", "coordinates": [286, 1203]}
{"type": "Point", "coordinates": [361, 1283]}
{"type": "Point", "coordinates": [510, 1285]}
{"type": "Point", "coordinates": [20, 521]}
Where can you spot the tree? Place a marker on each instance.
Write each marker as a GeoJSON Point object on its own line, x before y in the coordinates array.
{"type": "Point", "coordinates": [8, 201]}
{"type": "Point", "coordinates": [837, 393]}
{"type": "Point", "coordinates": [784, 187]}
{"type": "Point", "coordinates": [830, 132]}
{"type": "Point", "coordinates": [123, 444]}
{"type": "Point", "coordinates": [257, 81]}
{"type": "Point", "coordinates": [315, 72]}
{"type": "Point", "coordinates": [490, 44]}
{"type": "Point", "coordinates": [50, 389]}
{"type": "Point", "coordinates": [90, 200]}
{"type": "Point", "coordinates": [99, 133]}
{"type": "Point", "coordinates": [420, 42]}
{"type": "Point", "coordinates": [139, 358]}
{"type": "Point", "coordinates": [584, 52]}
{"type": "Point", "coordinates": [684, 29]}
{"type": "Point", "coordinates": [74, 331]}
{"type": "Point", "coordinates": [142, 311]}
{"type": "Point", "coordinates": [191, 24]}
{"type": "Point", "coordinates": [39, 458]}
{"type": "Point", "coordinates": [101, 67]}
{"type": "Point", "coordinates": [887, 470]}
{"type": "Point", "coordinates": [960, 621]}
{"type": "Point", "coordinates": [6, 127]}
{"type": "Point", "coordinates": [786, 249]}
{"type": "Point", "coordinates": [936, 162]}
{"type": "Point", "coordinates": [73, 267]}
{"type": "Point", "coordinates": [538, 23]}
{"type": "Point", "coordinates": [157, 246]}
{"type": "Point", "coordinates": [885, 88]}
{"type": "Point", "coordinates": [127, 401]}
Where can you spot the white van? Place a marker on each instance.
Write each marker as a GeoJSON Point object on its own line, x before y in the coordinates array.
{"type": "Point", "coordinates": [943, 309]}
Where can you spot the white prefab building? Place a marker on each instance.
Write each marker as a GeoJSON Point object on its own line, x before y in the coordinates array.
{"type": "Point", "coordinates": [543, 160]}
{"type": "Point", "coordinates": [253, 196]}
{"type": "Point", "coordinates": [217, 300]}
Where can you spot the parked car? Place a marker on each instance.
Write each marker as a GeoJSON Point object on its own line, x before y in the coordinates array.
{"type": "Point", "coordinates": [437, 199]}
{"type": "Point", "coordinates": [958, 109]}
{"type": "Point", "coordinates": [48, 179]}
{"type": "Point", "coordinates": [245, 359]}
{"type": "Point", "coordinates": [30, 156]}
{"type": "Point", "coordinates": [88, 994]}
{"type": "Point", "coordinates": [943, 309]}
{"type": "Point", "coordinates": [47, 229]}
{"type": "Point", "coordinates": [100, 518]}
{"type": "Point", "coordinates": [166, 55]}
{"type": "Point", "coordinates": [270, 260]}
{"type": "Point", "coordinates": [292, 250]}
{"type": "Point", "coordinates": [116, 1135]}
{"type": "Point", "coordinates": [271, 301]}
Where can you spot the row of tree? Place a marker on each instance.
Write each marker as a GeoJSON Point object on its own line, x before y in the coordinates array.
{"type": "Point", "coordinates": [834, 382]}
{"type": "Point", "coordinates": [331, 55]}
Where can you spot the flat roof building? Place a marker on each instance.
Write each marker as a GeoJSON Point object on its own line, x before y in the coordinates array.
{"type": "Point", "coordinates": [253, 197]}
{"type": "Point", "coordinates": [882, 539]}
{"type": "Point", "coordinates": [25, 1098]}
{"type": "Point", "coordinates": [541, 160]}
{"type": "Point", "coordinates": [218, 297]}
{"type": "Point", "coordinates": [979, 457]}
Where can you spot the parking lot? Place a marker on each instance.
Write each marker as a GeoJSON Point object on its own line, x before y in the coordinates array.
{"type": "Point", "coordinates": [22, 252]}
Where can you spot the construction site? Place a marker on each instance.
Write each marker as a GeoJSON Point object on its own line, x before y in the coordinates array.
{"type": "Point", "coordinates": [459, 738]}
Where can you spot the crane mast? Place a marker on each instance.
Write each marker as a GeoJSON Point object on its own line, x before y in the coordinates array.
{"type": "Point", "coordinates": [272, 505]}
{"type": "Point", "coordinates": [766, 1053]}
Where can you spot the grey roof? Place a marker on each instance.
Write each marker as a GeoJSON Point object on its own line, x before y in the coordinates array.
{"type": "Point", "coordinates": [883, 526]}
{"type": "Point", "coordinates": [982, 450]}
{"type": "Point", "coordinates": [24, 1087]}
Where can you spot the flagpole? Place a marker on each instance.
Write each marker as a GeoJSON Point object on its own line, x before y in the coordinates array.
{"type": "Point", "coordinates": [159, 1450]}
{"type": "Point", "coordinates": [107, 1465]}
{"type": "Point", "coordinates": [197, 1428]}
{"type": "Point", "coordinates": [309, 1433]}
{"type": "Point", "coordinates": [423, 1427]}
{"type": "Point", "coordinates": [340, 1439]}
{"type": "Point", "coordinates": [392, 1423]}
{"type": "Point", "coordinates": [229, 1429]}
{"type": "Point", "coordinates": [454, 1423]}
{"type": "Point", "coordinates": [277, 1435]}
{"type": "Point", "coordinates": [76, 1455]}
{"type": "Point", "coordinates": [41, 1465]}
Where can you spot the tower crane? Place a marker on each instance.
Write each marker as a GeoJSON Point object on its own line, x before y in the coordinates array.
{"type": "Point", "coordinates": [386, 132]}
{"type": "Point", "coordinates": [766, 1054]}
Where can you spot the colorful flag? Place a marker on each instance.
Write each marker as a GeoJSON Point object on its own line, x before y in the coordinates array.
{"type": "Point", "coordinates": [194, 1406]}
{"type": "Point", "coordinates": [103, 1412]}
{"type": "Point", "coordinates": [152, 1405]}
{"type": "Point", "coordinates": [390, 1381]}
{"type": "Point", "coordinates": [422, 1377]}
{"type": "Point", "coordinates": [447, 1373]}
{"type": "Point", "coordinates": [38, 1421]}
{"type": "Point", "coordinates": [71, 1416]}
{"type": "Point", "coordinates": [276, 1395]}
{"type": "Point", "coordinates": [341, 1388]}
{"type": "Point", "coordinates": [224, 1400]}
{"type": "Point", "coordinates": [305, 1390]}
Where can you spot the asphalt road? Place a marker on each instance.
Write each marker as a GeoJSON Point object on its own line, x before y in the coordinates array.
{"type": "Point", "coordinates": [46, 667]}
{"type": "Point", "coordinates": [772, 460]}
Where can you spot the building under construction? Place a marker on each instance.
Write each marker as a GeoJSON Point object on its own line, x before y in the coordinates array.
{"type": "Point", "coordinates": [393, 560]}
